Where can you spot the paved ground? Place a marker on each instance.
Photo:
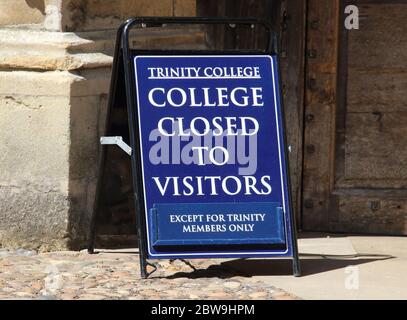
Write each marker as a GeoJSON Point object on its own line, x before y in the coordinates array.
{"type": "Point", "coordinates": [341, 267]}
{"type": "Point", "coordinates": [335, 267]}
{"type": "Point", "coordinates": [115, 275]}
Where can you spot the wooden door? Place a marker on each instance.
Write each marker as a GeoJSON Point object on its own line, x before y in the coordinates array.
{"type": "Point", "coordinates": [355, 136]}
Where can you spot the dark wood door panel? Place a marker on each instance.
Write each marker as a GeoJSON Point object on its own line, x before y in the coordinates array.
{"type": "Point", "coordinates": [355, 155]}
{"type": "Point", "coordinates": [375, 151]}
{"type": "Point", "coordinates": [320, 107]}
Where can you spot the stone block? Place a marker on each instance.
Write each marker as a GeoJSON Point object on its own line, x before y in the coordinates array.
{"type": "Point", "coordinates": [31, 14]}
{"type": "Point", "coordinates": [105, 9]}
{"type": "Point", "coordinates": [17, 12]}
{"type": "Point", "coordinates": [185, 8]}
{"type": "Point", "coordinates": [48, 156]}
{"type": "Point", "coordinates": [147, 8]}
{"type": "Point", "coordinates": [34, 197]}
{"type": "Point", "coordinates": [86, 15]}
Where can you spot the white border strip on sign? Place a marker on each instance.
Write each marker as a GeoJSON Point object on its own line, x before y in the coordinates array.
{"type": "Point", "coordinates": [256, 253]}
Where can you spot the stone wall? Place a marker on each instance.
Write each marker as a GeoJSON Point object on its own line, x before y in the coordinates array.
{"type": "Point", "coordinates": [81, 15]}
{"type": "Point", "coordinates": [55, 58]}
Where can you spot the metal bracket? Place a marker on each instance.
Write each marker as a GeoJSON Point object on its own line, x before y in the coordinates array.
{"type": "Point", "coordinates": [155, 268]}
{"type": "Point", "coordinates": [117, 141]}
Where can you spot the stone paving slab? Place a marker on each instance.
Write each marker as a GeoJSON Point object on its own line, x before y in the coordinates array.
{"type": "Point", "coordinates": [115, 275]}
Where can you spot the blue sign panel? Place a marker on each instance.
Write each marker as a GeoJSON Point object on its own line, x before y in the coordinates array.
{"type": "Point", "coordinates": [213, 157]}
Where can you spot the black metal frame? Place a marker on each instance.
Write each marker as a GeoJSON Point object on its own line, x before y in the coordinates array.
{"type": "Point", "coordinates": [123, 53]}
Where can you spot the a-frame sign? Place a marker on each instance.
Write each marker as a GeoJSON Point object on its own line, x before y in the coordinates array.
{"type": "Point", "coordinates": [208, 149]}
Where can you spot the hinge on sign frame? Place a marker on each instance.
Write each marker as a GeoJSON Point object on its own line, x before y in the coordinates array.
{"type": "Point", "coordinates": [117, 141]}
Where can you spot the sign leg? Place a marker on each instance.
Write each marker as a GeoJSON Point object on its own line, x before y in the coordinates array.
{"type": "Point", "coordinates": [143, 267]}
{"type": "Point", "coordinates": [296, 267]}
{"type": "Point", "coordinates": [100, 180]}
{"type": "Point", "coordinates": [91, 241]}
{"type": "Point", "coordinates": [93, 221]}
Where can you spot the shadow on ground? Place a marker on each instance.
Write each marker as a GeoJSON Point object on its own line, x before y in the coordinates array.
{"type": "Point", "coordinates": [310, 264]}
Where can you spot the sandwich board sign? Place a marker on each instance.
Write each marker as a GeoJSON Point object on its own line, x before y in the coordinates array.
{"type": "Point", "coordinates": [209, 153]}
